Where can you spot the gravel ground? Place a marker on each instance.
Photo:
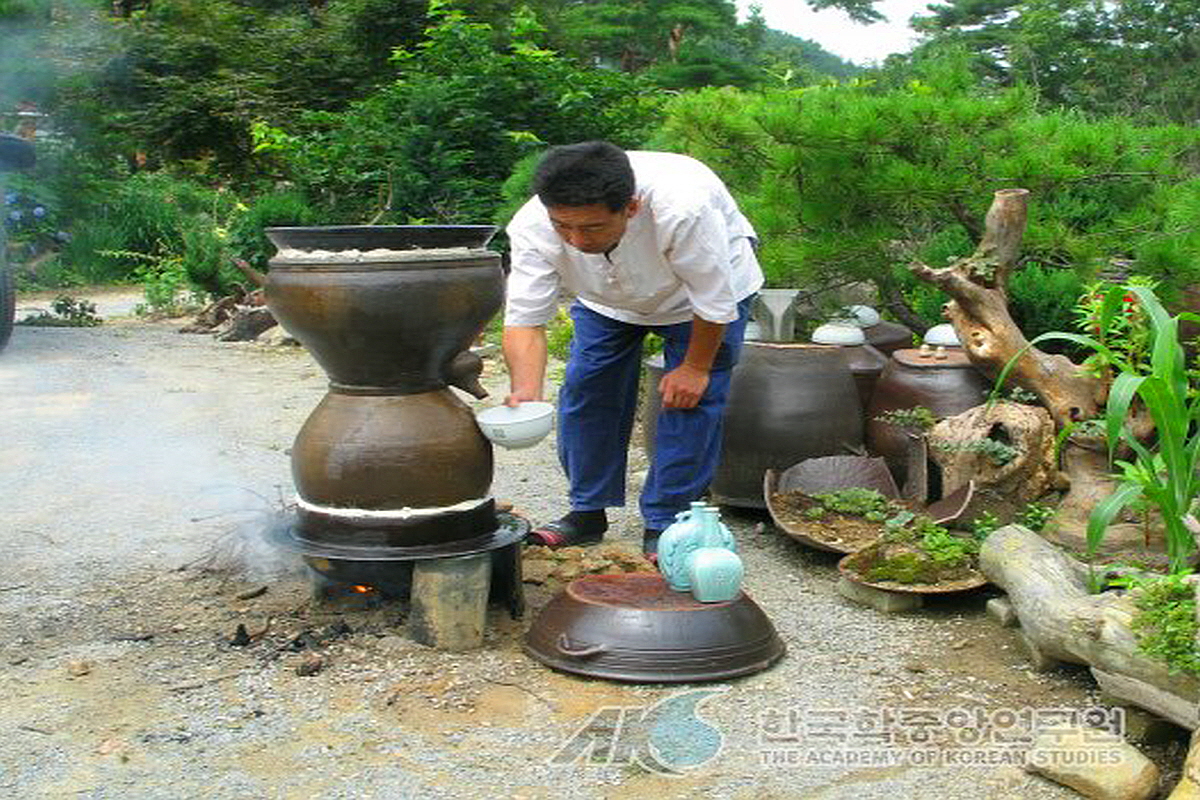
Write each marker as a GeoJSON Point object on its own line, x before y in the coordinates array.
{"type": "Point", "coordinates": [137, 460]}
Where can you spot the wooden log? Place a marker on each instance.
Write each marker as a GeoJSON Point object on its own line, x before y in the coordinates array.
{"type": "Point", "coordinates": [1062, 622]}
{"type": "Point", "coordinates": [449, 601]}
{"type": "Point", "coordinates": [246, 324]}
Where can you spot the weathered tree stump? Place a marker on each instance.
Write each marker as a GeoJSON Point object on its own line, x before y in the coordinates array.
{"type": "Point", "coordinates": [1063, 623]}
{"type": "Point", "coordinates": [1002, 488]}
{"type": "Point", "coordinates": [979, 313]}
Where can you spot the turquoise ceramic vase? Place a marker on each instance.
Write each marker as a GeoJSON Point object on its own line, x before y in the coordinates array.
{"type": "Point", "coordinates": [697, 554]}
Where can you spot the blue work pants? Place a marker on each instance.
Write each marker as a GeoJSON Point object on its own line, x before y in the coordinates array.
{"type": "Point", "coordinates": [596, 407]}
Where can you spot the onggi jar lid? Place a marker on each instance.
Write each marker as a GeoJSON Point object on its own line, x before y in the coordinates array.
{"type": "Point", "coordinates": [863, 316]}
{"type": "Point", "coordinates": [843, 333]}
{"type": "Point", "coordinates": [943, 335]}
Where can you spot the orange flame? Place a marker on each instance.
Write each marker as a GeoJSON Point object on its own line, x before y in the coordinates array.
{"type": "Point", "coordinates": [362, 589]}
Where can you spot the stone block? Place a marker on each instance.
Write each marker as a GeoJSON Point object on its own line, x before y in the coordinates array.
{"type": "Point", "coordinates": [879, 599]}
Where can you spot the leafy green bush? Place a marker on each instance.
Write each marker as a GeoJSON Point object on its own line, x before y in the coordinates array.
{"type": "Point", "coordinates": [1035, 516]}
{"type": "Point", "coordinates": [437, 144]}
{"type": "Point", "coordinates": [66, 312]}
{"type": "Point", "coordinates": [273, 209]}
{"type": "Point", "coordinates": [1043, 298]}
{"type": "Point", "coordinates": [146, 215]}
{"type": "Point", "coordinates": [849, 182]}
{"type": "Point", "coordinates": [559, 333]}
{"type": "Point", "coordinates": [205, 260]}
{"type": "Point", "coordinates": [1165, 625]}
{"type": "Point", "coordinates": [1163, 474]}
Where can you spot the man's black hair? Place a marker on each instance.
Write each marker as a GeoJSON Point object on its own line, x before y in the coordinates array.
{"type": "Point", "coordinates": [584, 174]}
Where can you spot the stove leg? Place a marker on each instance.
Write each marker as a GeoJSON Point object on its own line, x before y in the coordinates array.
{"type": "Point", "coordinates": [507, 584]}
{"type": "Point", "coordinates": [449, 601]}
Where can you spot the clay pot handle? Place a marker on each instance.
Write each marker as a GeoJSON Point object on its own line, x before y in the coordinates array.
{"type": "Point", "coordinates": [463, 371]}
{"type": "Point", "coordinates": [564, 646]}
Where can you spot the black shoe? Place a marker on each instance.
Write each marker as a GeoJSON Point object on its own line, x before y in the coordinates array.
{"type": "Point", "coordinates": [576, 529]}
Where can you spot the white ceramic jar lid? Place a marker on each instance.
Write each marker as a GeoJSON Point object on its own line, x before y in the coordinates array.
{"type": "Point", "coordinates": [943, 335]}
{"type": "Point", "coordinates": [864, 316]}
{"type": "Point", "coordinates": [843, 333]}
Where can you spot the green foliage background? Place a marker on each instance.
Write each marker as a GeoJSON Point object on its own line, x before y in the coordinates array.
{"type": "Point", "coordinates": [178, 129]}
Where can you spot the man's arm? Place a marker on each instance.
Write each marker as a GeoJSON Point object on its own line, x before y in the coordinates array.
{"type": "Point", "coordinates": [525, 355]}
{"type": "Point", "coordinates": [683, 386]}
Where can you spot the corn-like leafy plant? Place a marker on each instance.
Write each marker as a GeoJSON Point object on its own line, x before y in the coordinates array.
{"type": "Point", "coordinates": [1162, 474]}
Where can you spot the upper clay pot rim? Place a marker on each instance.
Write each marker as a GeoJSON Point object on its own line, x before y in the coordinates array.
{"type": "Point", "coordinates": [380, 237]}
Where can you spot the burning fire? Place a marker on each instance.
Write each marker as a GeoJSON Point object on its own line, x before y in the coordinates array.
{"type": "Point", "coordinates": [361, 589]}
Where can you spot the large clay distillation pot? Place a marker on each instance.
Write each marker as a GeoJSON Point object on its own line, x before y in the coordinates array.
{"type": "Point", "coordinates": [390, 457]}
{"type": "Point", "coordinates": [865, 362]}
{"type": "Point", "coordinates": [940, 378]}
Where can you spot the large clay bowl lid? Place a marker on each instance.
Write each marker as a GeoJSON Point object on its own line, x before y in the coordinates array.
{"type": "Point", "coordinates": [955, 358]}
{"type": "Point", "coordinates": [380, 237]}
{"type": "Point", "coordinates": [972, 581]}
{"type": "Point", "coordinates": [633, 627]}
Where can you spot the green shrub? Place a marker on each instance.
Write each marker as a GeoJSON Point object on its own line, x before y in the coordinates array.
{"type": "Point", "coordinates": [1043, 298]}
{"type": "Point", "coordinates": [274, 209]}
{"type": "Point", "coordinates": [206, 261]}
{"type": "Point", "coordinates": [559, 333]}
{"type": "Point", "coordinates": [146, 215]}
{"type": "Point", "coordinates": [1165, 625]}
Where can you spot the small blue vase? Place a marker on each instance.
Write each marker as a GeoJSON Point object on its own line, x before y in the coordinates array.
{"type": "Point", "coordinates": [676, 542]}
{"type": "Point", "coordinates": [715, 574]}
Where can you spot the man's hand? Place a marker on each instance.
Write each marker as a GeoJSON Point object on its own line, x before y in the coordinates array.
{"type": "Point", "coordinates": [683, 386]}
{"type": "Point", "coordinates": [516, 398]}
{"type": "Point", "coordinates": [525, 354]}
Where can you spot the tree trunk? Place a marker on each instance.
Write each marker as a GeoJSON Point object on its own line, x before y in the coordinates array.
{"type": "Point", "coordinates": [1062, 622]}
{"type": "Point", "coordinates": [979, 313]}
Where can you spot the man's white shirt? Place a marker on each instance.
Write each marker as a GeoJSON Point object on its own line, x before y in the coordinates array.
{"type": "Point", "coordinates": [687, 249]}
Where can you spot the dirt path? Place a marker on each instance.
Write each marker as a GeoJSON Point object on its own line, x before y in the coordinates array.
{"type": "Point", "coordinates": [131, 453]}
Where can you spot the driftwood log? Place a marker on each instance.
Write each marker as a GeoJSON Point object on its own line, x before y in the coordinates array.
{"type": "Point", "coordinates": [1062, 622]}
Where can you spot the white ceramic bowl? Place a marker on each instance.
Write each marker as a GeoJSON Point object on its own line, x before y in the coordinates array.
{"type": "Point", "coordinates": [516, 427]}
{"type": "Point", "coordinates": [865, 316]}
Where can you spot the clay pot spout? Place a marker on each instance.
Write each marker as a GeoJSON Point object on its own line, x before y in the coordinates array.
{"type": "Point", "coordinates": [463, 371]}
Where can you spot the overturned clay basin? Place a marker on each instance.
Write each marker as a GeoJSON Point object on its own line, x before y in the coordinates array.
{"type": "Point", "coordinates": [633, 627]}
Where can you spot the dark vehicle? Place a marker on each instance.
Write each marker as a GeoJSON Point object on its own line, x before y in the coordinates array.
{"type": "Point", "coordinates": [15, 153]}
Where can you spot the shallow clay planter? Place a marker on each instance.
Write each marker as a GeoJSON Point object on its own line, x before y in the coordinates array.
{"type": "Point", "coordinates": [850, 567]}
